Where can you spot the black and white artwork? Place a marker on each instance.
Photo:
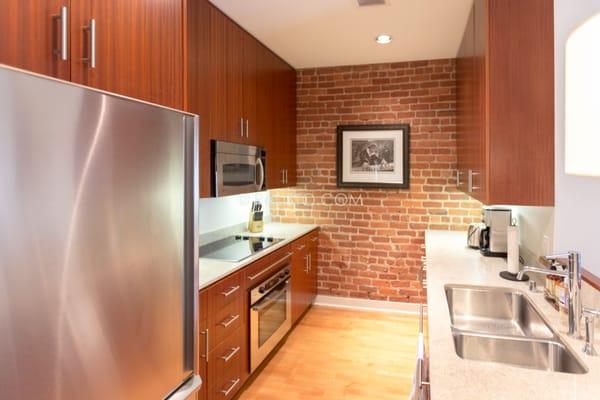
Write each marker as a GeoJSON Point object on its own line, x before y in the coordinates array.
{"type": "Point", "coordinates": [373, 156]}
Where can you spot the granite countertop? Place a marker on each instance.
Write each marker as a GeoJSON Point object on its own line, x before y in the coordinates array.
{"type": "Point", "coordinates": [210, 271]}
{"type": "Point", "coordinates": [450, 261]}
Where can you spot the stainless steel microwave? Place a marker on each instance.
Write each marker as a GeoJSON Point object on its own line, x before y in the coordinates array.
{"type": "Point", "coordinates": [237, 168]}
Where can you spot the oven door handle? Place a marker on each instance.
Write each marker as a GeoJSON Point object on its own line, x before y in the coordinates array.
{"type": "Point", "coordinates": [270, 298]}
{"type": "Point", "coordinates": [260, 167]}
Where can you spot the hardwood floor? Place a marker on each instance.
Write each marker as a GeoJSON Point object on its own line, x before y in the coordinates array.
{"type": "Point", "coordinates": [341, 354]}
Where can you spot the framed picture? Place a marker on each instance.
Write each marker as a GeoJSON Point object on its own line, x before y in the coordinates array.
{"type": "Point", "coordinates": [373, 156]}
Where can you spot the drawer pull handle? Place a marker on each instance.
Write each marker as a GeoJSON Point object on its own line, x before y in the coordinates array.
{"type": "Point", "coordinates": [301, 247]}
{"type": "Point", "coordinates": [231, 320]}
{"type": "Point", "coordinates": [315, 239]}
{"type": "Point", "coordinates": [234, 351]}
{"type": "Point", "coordinates": [234, 383]}
{"type": "Point", "coordinates": [276, 263]}
{"type": "Point", "coordinates": [231, 291]}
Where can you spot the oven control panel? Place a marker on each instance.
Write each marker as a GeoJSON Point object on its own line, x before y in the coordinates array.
{"type": "Point", "coordinates": [274, 281]}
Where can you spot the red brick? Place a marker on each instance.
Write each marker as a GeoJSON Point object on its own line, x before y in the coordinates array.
{"type": "Point", "coordinates": [371, 249]}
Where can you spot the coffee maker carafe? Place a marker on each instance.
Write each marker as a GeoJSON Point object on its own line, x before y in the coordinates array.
{"type": "Point", "coordinates": [492, 240]}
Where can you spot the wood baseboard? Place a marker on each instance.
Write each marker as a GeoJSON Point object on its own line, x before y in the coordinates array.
{"type": "Point", "coordinates": [366, 305]}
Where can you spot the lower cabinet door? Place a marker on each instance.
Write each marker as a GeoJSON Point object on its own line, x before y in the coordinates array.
{"type": "Point", "coordinates": [226, 367]}
{"type": "Point", "coordinates": [313, 242]}
{"type": "Point", "coordinates": [203, 344]}
{"type": "Point", "coordinates": [300, 274]}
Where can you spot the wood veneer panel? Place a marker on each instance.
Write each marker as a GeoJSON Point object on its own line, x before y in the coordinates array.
{"type": "Point", "coordinates": [30, 34]}
{"type": "Point", "coordinates": [521, 102]}
{"type": "Point", "coordinates": [139, 48]}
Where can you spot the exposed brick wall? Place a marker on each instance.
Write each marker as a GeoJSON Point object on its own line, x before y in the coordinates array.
{"type": "Point", "coordinates": [370, 245]}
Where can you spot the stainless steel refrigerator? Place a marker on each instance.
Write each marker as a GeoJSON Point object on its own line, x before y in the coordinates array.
{"type": "Point", "coordinates": [98, 254]}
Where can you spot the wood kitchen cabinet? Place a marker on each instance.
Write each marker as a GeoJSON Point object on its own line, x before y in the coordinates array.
{"type": "Point", "coordinates": [133, 48]}
{"type": "Point", "coordinates": [278, 81]}
{"type": "Point", "coordinates": [304, 274]}
{"type": "Point", "coordinates": [203, 344]}
{"type": "Point", "coordinates": [224, 333]}
{"type": "Point", "coordinates": [313, 251]}
{"type": "Point", "coordinates": [33, 33]}
{"type": "Point", "coordinates": [184, 54]}
{"type": "Point", "coordinates": [242, 91]}
{"type": "Point", "coordinates": [505, 103]}
{"type": "Point", "coordinates": [223, 341]}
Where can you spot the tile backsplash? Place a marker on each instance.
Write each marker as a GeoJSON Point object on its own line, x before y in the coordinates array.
{"type": "Point", "coordinates": [217, 213]}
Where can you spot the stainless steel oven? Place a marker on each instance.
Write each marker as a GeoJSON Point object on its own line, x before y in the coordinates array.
{"type": "Point", "coordinates": [237, 168]}
{"type": "Point", "coordinates": [270, 310]}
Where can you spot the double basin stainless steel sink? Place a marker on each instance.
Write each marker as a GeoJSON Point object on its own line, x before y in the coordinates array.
{"type": "Point", "coordinates": [502, 325]}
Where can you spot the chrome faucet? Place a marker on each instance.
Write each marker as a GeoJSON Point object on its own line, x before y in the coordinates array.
{"type": "Point", "coordinates": [572, 277]}
{"type": "Point", "coordinates": [590, 316]}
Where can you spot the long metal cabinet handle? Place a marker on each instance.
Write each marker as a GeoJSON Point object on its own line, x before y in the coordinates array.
{"type": "Point", "coordinates": [241, 127]}
{"type": "Point", "coordinates": [264, 271]}
{"type": "Point", "coordinates": [233, 384]}
{"type": "Point", "coordinates": [458, 174]}
{"type": "Point", "coordinates": [231, 320]}
{"type": "Point", "coordinates": [64, 33]}
{"type": "Point", "coordinates": [231, 291]}
{"type": "Point", "coordinates": [91, 59]}
{"type": "Point", "coordinates": [473, 187]}
{"type": "Point", "coordinates": [283, 176]}
{"type": "Point", "coordinates": [420, 380]}
{"type": "Point", "coordinates": [205, 355]}
{"type": "Point", "coordinates": [421, 313]}
{"type": "Point", "coordinates": [247, 135]}
{"type": "Point", "coordinates": [286, 176]}
{"type": "Point", "coordinates": [234, 351]}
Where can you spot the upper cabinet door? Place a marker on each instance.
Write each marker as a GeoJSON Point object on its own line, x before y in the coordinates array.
{"type": "Point", "coordinates": [505, 103]}
{"type": "Point", "coordinates": [249, 51]}
{"type": "Point", "coordinates": [35, 36]}
{"type": "Point", "coordinates": [465, 129]}
{"type": "Point", "coordinates": [289, 125]}
{"type": "Point", "coordinates": [133, 48]}
{"type": "Point", "coordinates": [236, 124]}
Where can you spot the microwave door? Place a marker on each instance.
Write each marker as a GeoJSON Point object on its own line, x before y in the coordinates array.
{"type": "Point", "coordinates": [236, 174]}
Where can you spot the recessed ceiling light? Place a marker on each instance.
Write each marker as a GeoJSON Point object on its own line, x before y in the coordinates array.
{"type": "Point", "coordinates": [383, 39]}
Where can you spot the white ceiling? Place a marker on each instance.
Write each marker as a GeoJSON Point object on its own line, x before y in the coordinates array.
{"type": "Point", "coordinates": [316, 33]}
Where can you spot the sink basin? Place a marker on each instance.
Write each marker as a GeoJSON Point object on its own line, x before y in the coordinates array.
{"type": "Point", "coordinates": [545, 355]}
{"type": "Point", "coordinates": [502, 325]}
{"type": "Point", "coordinates": [496, 311]}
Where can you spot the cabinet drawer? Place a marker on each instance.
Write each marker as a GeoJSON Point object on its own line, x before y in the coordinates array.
{"type": "Point", "coordinates": [226, 366]}
{"type": "Point", "coordinates": [256, 271]}
{"type": "Point", "coordinates": [280, 253]}
{"type": "Point", "coordinates": [260, 270]}
{"type": "Point", "coordinates": [225, 292]}
{"type": "Point", "coordinates": [223, 322]}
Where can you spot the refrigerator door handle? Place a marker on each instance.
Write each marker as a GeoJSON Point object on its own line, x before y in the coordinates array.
{"type": "Point", "coordinates": [188, 389]}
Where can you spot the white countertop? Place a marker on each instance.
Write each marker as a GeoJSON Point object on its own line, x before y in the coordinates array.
{"type": "Point", "coordinates": [450, 261]}
{"type": "Point", "coordinates": [210, 271]}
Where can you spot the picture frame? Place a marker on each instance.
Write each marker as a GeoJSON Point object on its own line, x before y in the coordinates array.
{"type": "Point", "coordinates": [373, 156]}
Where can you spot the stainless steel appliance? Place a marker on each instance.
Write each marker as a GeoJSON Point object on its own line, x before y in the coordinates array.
{"type": "Point", "coordinates": [236, 248]}
{"type": "Point", "coordinates": [270, 309]}
{"type": "Point", "coordinates": [237, 168]}
{"type": "Point", "coordinates": [98, 247]}
{"type": "Point", "coordinates": [474, 234]}
{"type": "Point", "coordinates": [493, 241]}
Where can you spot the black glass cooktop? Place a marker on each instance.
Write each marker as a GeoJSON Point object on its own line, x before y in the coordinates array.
{"type": "Point", "coordinates": [236, 248]}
